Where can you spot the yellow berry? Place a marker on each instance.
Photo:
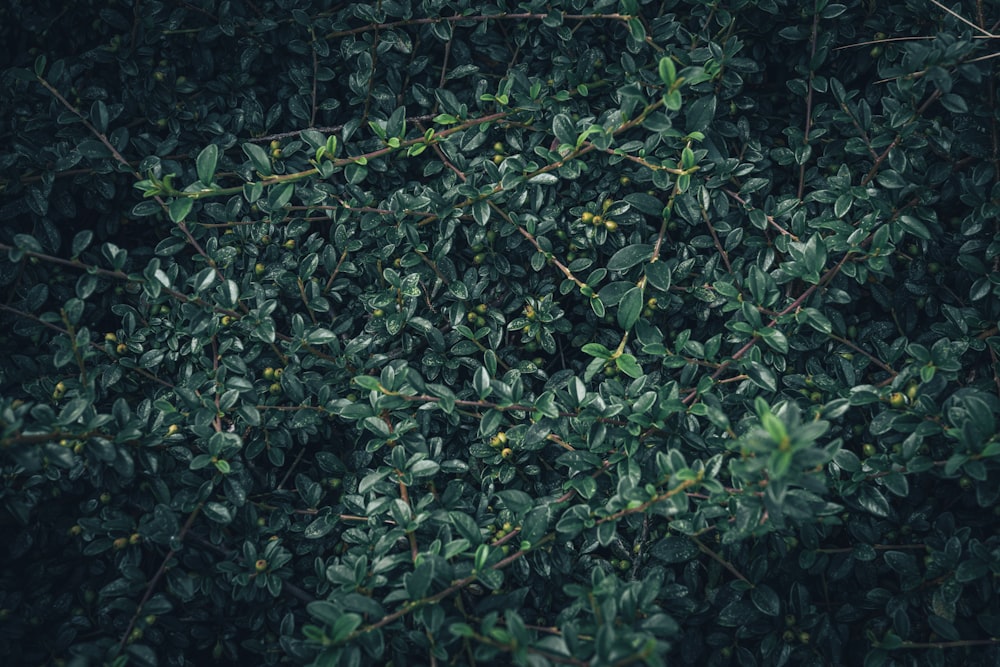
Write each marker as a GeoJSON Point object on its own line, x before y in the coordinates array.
{"type": "Point", "coordinates": [268, 373]}
{"type": "Point", "coordinates": [587, 217]}
{"type": "Point", "coordinates": [260, 565]}
{"type": "Point", "coordinates": [610, 225]}
{"type": "Point", "coordinates": [289, 244]}
{"type": "Point", "coordinates": [259, 268]}
{"type": "Point", "coordinates": [507, 452]}
{"type": "Point", "coordinates": [897, 400]}
{"type": "Point", "coordinates": [172, 429]}
{"type": "Point", "coordinates": [111, 337]}
{"type": "Point", "coordinates": [120, 543]}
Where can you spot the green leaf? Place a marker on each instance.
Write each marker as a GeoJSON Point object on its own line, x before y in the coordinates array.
{"type": "Point", "coordinates": [481, 383]}
{"type": "Point", "coordinates": [355, 173]}
{"type": "Point", "coordinates": [667, 71]}
{"type": "Point", "coordinates": [482, 557]}
{"type": "Point", "coordinates": [72, 411]}
{"type": "Point", "coordinates": [872, 500]}
{"type": "Point", "coordinates": [466, 527]}
{"type": "Point", "coordinates": [323, 611]}
{"type": "Point", "coordinates": [179, 208]}
{"type": "Point", "coordinates": [258, 158]}
{"type": "Point", "coordinates": [627, 364]}
{"type": "Point", "coordinates": [217, 512]}
{"type": "Point", "coordinates": [843, 205]}
{"type": "Point", "coordinates": [890, 179]}
{"type": "Point", "coordinates": [279, 195]}
{"type": "Point", "coordinates": [606, 532]}
{"type": "Point", "coordinates": [320, 527]}
{"type": "Point", "coordinates": [645, 203]}
{"type": "Point", "coordinates": [396, 125]}
{"type": "Point", "coordinates": [954, 103]}
{"type": "Point", "coordinates": [344, 626]}
{"type": "Point", "coordinates": [99, 116]}
{"type": "Point", "coordinates": [596, 350]}
{"type": "Point", "coordinates": [699, 114]}
{"type": "Point", "coordinates": [766, 600]}
{"type": "Point", "coordinates": [774, 339]}
{"type": "Point", "coordinates": [573, 521]}
{"type": "Point", "coordinates": [630, 308]}
{"type": "Point", "coordinates": [81, 240]}
{"type": "Point", "coordinates": [816, 319]}
{"type": "Point", "coordinates": [206, 162]}
{"type": "Point", "coordinates": [674, 549]}
{"type": "Point", "coordinates": [516, 501]}
{"type": "Point", "coordinates": [535, 524]}
{"type": "Point", "coordinates": [636, 30]}
{"type": "Point", "coordinates": [762, 376]}
{"type": "Point", "coordinates": [461, 630]}
{"type": "Point", "coordinates": [629, 256]}
{"type": "Point", "coordinates": [367, 382]}
{"type": "Point", "coordinates": [564, 129]}
{"type": "Point", "coordinates": [658, 275]}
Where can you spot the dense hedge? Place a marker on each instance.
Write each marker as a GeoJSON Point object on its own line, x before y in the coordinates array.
{"type": "Point", "coordinates": [563, 332]}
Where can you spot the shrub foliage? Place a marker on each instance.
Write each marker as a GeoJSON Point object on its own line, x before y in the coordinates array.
{"type": "Point", "coordinates": [569, 332]}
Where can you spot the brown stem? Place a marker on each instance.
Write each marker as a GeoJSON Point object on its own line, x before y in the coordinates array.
{"type": "Point", "coordinates": [809, 102]}
{"type": "Point", "coordinates": [719, 559]}
{"type": "Point", "coordinates": [479, 18]}
{"type": "Point", "coordinates": [156, 579]}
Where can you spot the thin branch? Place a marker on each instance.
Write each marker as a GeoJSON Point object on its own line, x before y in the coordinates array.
{"type": "Point", "coordinates": [809, 102]}
{"type": "Point", "coordinates": [719, 559]}
{"type": "Point", "coordinates": [156, 579]}
{"type": "Point", "coordinates": [479, 19]}
{"type": "Point", "coordinates": [965, 20]}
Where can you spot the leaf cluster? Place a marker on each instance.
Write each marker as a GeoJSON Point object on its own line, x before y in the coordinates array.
{"type": "Point", "coordinates": [588, 333]}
